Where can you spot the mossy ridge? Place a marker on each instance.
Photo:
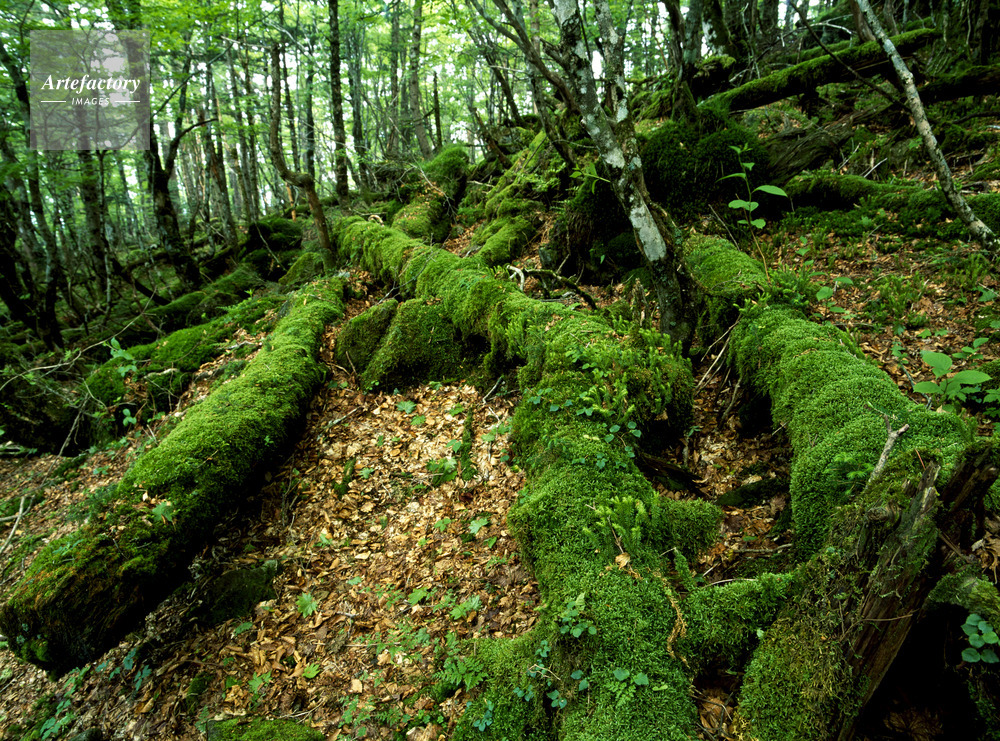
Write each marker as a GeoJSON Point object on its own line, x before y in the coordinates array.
{"type": "Point", "coordinates": [581, 376]}
{"type": "Point", "coordinates": [86, 590]}
{"type": "Point", "coordinates": [832, 400]}
{"type": "Point", "coordinates": [426, 216]}
{"type": "Point", "coordinates": [535, 180]}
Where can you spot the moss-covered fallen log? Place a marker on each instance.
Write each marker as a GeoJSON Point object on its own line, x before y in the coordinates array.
{"type": "Point", "coordinates": [867, 60]}
{"type": "Point", "coordinates": [83, 592]}
{"type": "Point", "coordinates": [872, 549]}
{"type": "Point", "coordinates": [603, 663]}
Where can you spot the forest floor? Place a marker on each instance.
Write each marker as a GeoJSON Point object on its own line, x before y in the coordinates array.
{"type": "Point", "coordinates": [384, 578]}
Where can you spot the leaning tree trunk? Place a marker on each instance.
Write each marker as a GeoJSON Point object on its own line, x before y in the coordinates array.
{"type": "Point", "coordinates": [616, 143]}
{"type": "Point", "coordinates": [296, 179]}
{"type": "Point", "coordinates": [973, 223]}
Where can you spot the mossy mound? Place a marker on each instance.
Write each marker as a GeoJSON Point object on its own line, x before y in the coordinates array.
{"type": "Point", "coordinates": [307, 267]}
{"type": "Point", "coordinates": [585, 236]}
{"type": "Point", "coordinates": [684, 166]}
{"type": "Point", "coordinates": [419, 344]}
{"type": "Point", "coordinates": [501, 240]}
{"type": "Point", "coordinates": [260, 729]}
{"type": "Point", "coordinates": [83, 592]}
{"type": "Point", "coordinates": [360, 337]}
{"type": "Point", "coordinates": [427, 215]}
{"type": "Point", "coordinates": [535, 180]}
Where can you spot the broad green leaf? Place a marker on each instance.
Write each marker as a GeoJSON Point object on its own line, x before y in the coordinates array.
{"type": "Point", "coordinates": [970, 377]}
{"type": "Point", "coordinates": [621, 674]}
{"type": "Point", "coordinates": [927, 387]}
{"type": "Point", "coordinates": [824, 293]}
{"type": "Point", "coordinates": [774, 190]}
{"type": "Point", "coordinates": [938, 361]}
{"type": "Point", "coordinates": [737, 203]}
{"type": "Point", "coordinates": [971, 655]}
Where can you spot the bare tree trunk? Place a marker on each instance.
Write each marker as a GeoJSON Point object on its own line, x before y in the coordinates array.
{"type": "Point", "coordinates": [297, 179]}
{"type": "Point", "coordinates": [973, 223]}
{"type": "Point", "coordinates": [337, 103]}
{"type": "Point", "coordinates": [414, 80]}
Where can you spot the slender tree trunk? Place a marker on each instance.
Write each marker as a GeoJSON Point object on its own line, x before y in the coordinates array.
{"type": "Point", "coordinates": [355, 44]}
{"type": "Point", "coordinates": [973, 223]}
{"type": "Point", "coordinates": [392, 144]}
{"type": "Point", "coordinates": [216, 164]}
{"type": "Point", "coordinates": [437, 115]}
{"type": "Point", "coordinates": [337, 103]}
{"type": "Point", "coordinates": [616, 144]}
{"type": "Point", "coordinates": [413, 82]}
{"type": "Point", "coordinates": [297, 179]}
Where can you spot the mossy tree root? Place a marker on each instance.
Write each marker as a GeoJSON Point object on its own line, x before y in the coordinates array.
{"type": "Point", "coordinates": [83, 592]}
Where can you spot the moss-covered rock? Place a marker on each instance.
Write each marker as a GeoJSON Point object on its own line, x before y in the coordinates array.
{"type": "Point", "coordinates": [83, 592]}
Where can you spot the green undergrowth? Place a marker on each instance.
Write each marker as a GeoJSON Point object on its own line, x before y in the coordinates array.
{"type": "Point", "coordinates": [84, 591]}
{"type": "Point", "coordinates": [588, 522]}
{"type": "Point", "coordinates": [852, 208]}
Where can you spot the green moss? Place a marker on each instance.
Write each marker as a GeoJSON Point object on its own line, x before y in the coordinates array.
{"type": "Point", "coordinates": [84, 591]}
{"type": "Point", "coordinates": [502, 239]}
{"type": "Point", "coordinates": [723, 622]}
{"type": "Point", "coordinates": [537, 175]}
{"type": "Point", "coordinates": [261, 729]}
{"type": "Point", "coordinates": [683, 165]}
{"type": "Point", "coordinates": [727, 278]}
{"type": "Point", "coordinates": [832, 401]}
{"type": "Point", "coordinates": [807, 76]}
{"type": "Point", "coordinates": [360, 337]}
{"type": "Point", "coordinates": [582, 378]}
{"type": "Point", "coordinates": [420, 343]}
{"type": "Point", "coordinates": [449, 169]}
{"type": "Point", "coordinates": [424, 217]}
{"type": "Point", "coordinates": [308, 266]}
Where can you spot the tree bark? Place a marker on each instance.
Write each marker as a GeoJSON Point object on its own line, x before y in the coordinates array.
{"type": "Point", "coordinates": [616, 144]}
{"type": "Point", "coordinates": [297, 179]}
{"type": "Point", "coordinates": [337, 104]}
{"type": "Point", "coordinates": [413, 83]}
